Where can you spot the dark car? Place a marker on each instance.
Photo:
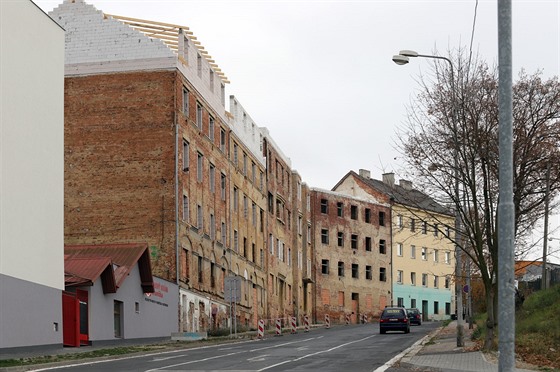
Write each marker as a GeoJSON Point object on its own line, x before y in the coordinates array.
{"type": "Point", "coordinates": [394, 319]}
{"type": "Point", "coordinates": [414, 316]}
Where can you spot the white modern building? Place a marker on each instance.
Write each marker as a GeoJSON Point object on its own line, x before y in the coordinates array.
{"type": "Point", "coordinates": [31, 176]}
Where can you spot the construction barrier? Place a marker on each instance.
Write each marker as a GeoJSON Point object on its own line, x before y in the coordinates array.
{"type": "Point", "coordinates": [306, 323]}
{"type": "Point", "coordinates": [278, 327]}
{"type": "Point", "coordinates": [327, 321]}
{"type": "Point", "coordinates": [294, 324]}
{"type": "Point", "coordinates": [347, 319]}
{"type": "Point", "coordinates": [261, 329]}
{"type": "Point", "coordinates": [365, 319]}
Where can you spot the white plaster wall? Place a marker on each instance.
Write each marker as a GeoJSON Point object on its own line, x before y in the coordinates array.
{"type": "Point", "coordinates": [31, 145]}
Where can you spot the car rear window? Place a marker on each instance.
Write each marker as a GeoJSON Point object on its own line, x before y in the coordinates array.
{"type": "Point", "coordinates": [392, 312]}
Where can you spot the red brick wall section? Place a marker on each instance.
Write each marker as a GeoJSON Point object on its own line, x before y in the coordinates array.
{"type": "Point", "coordinates": [119, 162]}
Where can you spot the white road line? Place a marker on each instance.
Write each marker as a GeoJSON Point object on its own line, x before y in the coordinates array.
{"type": "Point", "coordinates": [393, 360]}
{"type": "Point", "coordinates": [192, 361]}
{"type": "Point", "coordinates": [315, 353]}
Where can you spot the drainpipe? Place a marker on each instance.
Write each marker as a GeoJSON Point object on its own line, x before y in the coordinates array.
{"type": "Point", "coordinates": [176, 194]}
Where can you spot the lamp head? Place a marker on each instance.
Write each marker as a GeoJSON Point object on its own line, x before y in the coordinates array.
{"type": "Point", "coordinates": [408, 53]}
{"type": "Point", "coordinates": [400, 59]}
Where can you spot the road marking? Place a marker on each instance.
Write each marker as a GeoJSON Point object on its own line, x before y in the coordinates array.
{"type": "Point", "coordinates": [315, 353]}
{"type": "Point", "coordinates": [259, 358]}
{"type": "Point", "coordinates": [393, 360]}
{"type": "Point", "coordinates": [192, 361]}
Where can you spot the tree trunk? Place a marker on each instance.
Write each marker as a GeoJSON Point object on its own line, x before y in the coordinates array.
{"type": "Point", "coordinates": [490, 321]}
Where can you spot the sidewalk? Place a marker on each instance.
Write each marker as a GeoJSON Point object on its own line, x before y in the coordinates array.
{"type": "Point", "coordinates": [439, 352]}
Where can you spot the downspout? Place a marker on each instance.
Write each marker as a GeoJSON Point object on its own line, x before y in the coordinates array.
{"type": "Point", "coordinates": [176, 191]}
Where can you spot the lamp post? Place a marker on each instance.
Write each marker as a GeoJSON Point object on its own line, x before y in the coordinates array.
{"type": "Point", "coordinates": [402, 59]}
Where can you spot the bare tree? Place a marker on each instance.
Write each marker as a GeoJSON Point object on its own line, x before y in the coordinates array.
{"type": "Point", "coordinates": [430, 141]}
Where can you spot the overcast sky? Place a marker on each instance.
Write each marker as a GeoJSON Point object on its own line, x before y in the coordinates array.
{"type": "Point", "coordinates": [319, 75]}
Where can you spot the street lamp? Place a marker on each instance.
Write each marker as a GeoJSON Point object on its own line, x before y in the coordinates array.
{"type": "Point", "coordinates": [402, 59]}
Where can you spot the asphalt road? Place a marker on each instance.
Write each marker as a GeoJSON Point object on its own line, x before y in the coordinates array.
{"type": "Point", "coordinates": [352, 348]}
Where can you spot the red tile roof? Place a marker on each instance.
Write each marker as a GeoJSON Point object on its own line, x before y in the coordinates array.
{"type": "Point", "coordinates": [86, 263]}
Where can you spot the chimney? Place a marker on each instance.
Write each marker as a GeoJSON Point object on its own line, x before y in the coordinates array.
{"type": "Point", "coordinates": [389, 179]}
{"type": "Point", "coordinates": [405, 184]}
{"type": "Point", "coordinates": [365, 173]}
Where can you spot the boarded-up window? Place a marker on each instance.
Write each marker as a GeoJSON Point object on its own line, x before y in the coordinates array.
{"type": "Point", "coordinates": [325, 297]}
{"type": "Point", "coordinates": [369, 301]}
{"type": "Point", "coordinates": [340, 298]}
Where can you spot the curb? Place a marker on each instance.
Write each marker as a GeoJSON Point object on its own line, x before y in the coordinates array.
{"type": "Point", "coordinates": [405, 361]}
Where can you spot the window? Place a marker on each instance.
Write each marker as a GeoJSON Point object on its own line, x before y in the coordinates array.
{"type": "Point", "coordinates": [340, 239]}
{"type": "Point", "coordinates": [186, 157]}
{"type": "Point", "coordinates": [399, 249]}
{"type": "Point", "coordinates": [447, 282]}
{"type": "Point", "coordinates": [199, 165]}
{"type": "Point", "coordinates": [413, 252]}
{"type": "Point", "coordinates": [354, 238]}
{"type": "Point", "coordinates": [235, 199]}
{"type": "Point", "coordinates": [436, 307]}
{"type": "Point", "coordinates": [211, 128]}
{"type": "Point", "coordinates": [399, 222]}
{"type": "Point", "coordinates": [447, 231]}
{"type": "Point", "coordinates": [199, 116]}
{"type": "Point", "coordinates": [413, 278]}
{"type": "Point", "coordinates": [245, 206]}
{"type": "Point", "coordinates": [447, 257]}
{"type": "Point", "coordinates": [368, 272]}
{"type": "Point", "coordinates": [222, 139]}
{"type": "Point", "coordinates": [413, 302]}
{"type": "Point", "coordinates": [436, 255]}
{"type": "Point", "coordinates": [400, 278]}
{"type": "Point", "coordinates": [324, 206]}
{"type": "Point", "coordinates": [436, 229]}
{"type": "Point", "coordinates": [223, 231]}
{"type": "Point", "coordinates": [447, 308]}
{"type": "Point", "coordinates": [223, 186]}
{"type": "Point", "coordinates": [244, 164]}
{"type": "Point", "coordinates": [200, 270]}
{"type": "Point", "coordinates": [382, 274]}
{"type": "Point", "coordinates": [368, 244]}
{"type": "Point", "coordinates": [425, 280]}
{"type": "Point", "coordinates": [199, 217]}
{"type": "Point", "coordinates": [324, 236]}
{"type": "Point", "coordinates": [400, 302]}
{"type": "Point", "coordinates": [212, 227]}
{"type": "Point", "coordinates": [253, 172]}
{"type": "Point", "coordinates": [271, 243]}
{"type": "Point", "coordinates": [324, 266]}
{"type": "Point", "coordinates": [424, 227]}
{"type": "Point", "coordinates": [300, 225]}
{"type": "Point", "coordinates": [382, 248]}
{"type": "Point", "coordinates": [137, 307]}
{"type": "Point", "coordinates": [354, 212]}
{"type": "Point", "coordinates": [340, 268]}
{"type": "Point", "coordinates": [436, 281]}
{"type": "Point", "coordinates": [355, 271]}
{"type": "Point", "coordinates": [254, 213]}
{"type": "Point", "coordinates": [235, 241]}
{"type": "Point", "coordinates": [381, 218]}
{"type": "Point", "coordinates": [424, 254]}
{"type": "Point", "coordinates": [118, 318]}
{"type": "Point", "coordinates": [412, 225]}
{"type": "Point", "coordinates": [212, 274]}
{"type": "Point", "coordinates": [211, 77]}
{"type": "Point", "coordinates": [212, 178]}
{"type": "Point", "coordinates": [340, 298]}
{"type": "Point", "coordinates": [185, 208]}
{"type": "Point", "coordinates": [367, 215]}
{"type": "Point", "coordinates": [185, 101]}
{"type": "Point", "coordinates": [235, 154]}
{"type": "Point", "coordinates": [339, 209]}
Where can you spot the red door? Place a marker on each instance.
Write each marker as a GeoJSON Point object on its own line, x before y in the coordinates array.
{"type": "Point", "coordinates": [70, 319]}
{"type": "Point", "coordinates": [82, 297]}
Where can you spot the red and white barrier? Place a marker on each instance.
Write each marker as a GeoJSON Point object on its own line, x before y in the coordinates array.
{"type": "Point", "coordinates": [278, 327]}
{"type": "Point", "coordinates": [365, 319]}
{"type": "Point", "coordinates": [347, 319]}
{"type": "Point", "coordinates": [294, 324]}
{"type": "Point", "coordinates": [261, 329]}
{"type": "Point", "coordinates": [327, 321]}
{"type": "Point", "coordinates": [306, 323]}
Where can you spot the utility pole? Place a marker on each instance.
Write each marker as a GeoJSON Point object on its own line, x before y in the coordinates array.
{"type": "Point", "coordinates": [506, 211]}
{"type": "Point", "coordinates": [544, 279]}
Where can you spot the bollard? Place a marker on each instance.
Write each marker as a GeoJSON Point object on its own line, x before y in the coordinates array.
{"type": "Point", "coordinates": [327, 321]}
{"type": "Point", "coordinates": [278, 327]}
{"type": "Point", "coordinates": [294, 324]}
{"type": "Point", "coordinates": [306, 323]}
{"type": "Point", "coordinates": [347, 319]}
{"type": "Point", "coordinates": [261, 329]}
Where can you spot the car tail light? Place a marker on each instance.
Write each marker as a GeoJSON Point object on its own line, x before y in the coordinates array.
{"type": "Point", "coordinates": [381, 320]}
{"type": "Point", "coordinates": [405, 320]}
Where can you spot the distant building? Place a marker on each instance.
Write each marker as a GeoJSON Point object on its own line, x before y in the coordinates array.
{"type": "Point", "coordinates": [32, 177]}
{"type": "Point", "coordinates": [352, 242]}
{"type": "Point", "coordinates": [423, 258]}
